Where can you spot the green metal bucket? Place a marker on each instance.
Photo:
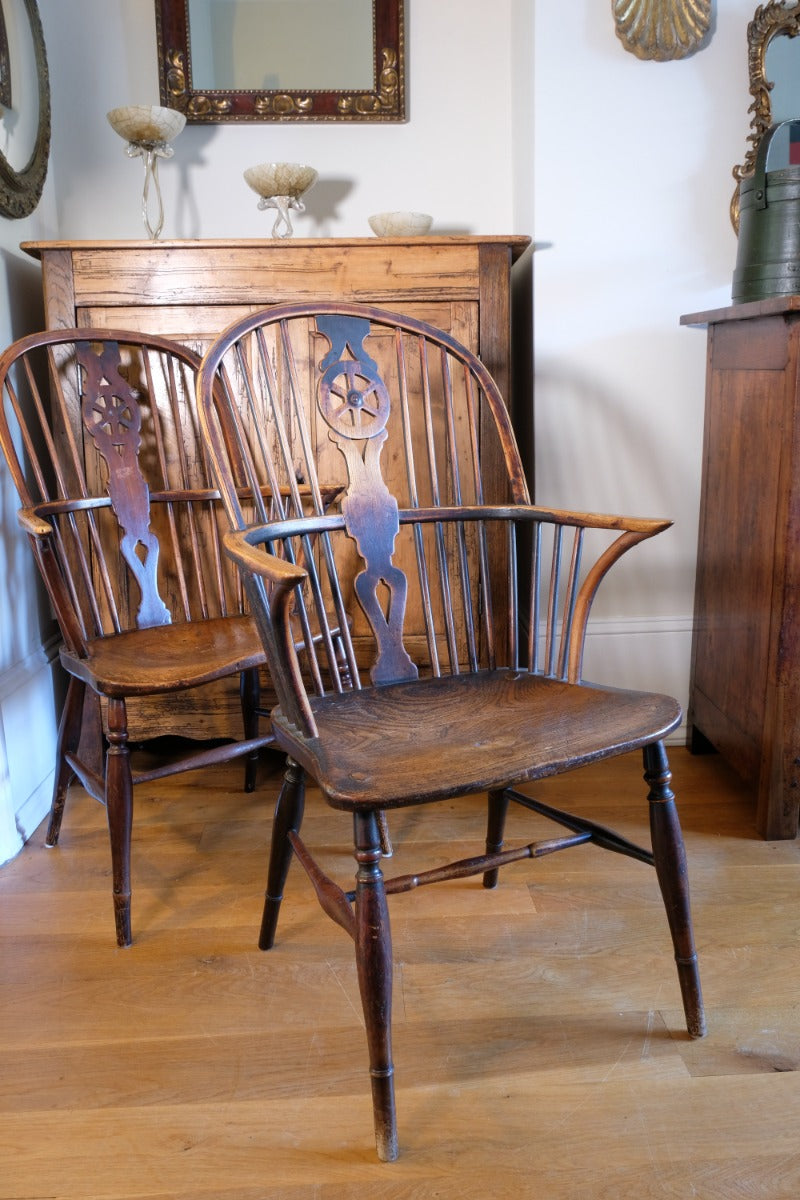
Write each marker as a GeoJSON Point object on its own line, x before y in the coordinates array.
{"type": "Point", "coordinates": [768, 258]}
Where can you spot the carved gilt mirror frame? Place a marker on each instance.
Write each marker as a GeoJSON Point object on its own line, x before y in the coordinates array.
{"type": "Point", "coordinates": [781, 19]}
{"type": "Point", "coordinates": [384, 101]}
{"type": "Point", "coordinates": [20, 190]}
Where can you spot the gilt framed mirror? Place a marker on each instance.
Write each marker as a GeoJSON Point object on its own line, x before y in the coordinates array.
{"type": "Point", "coordinates": [25, 110]}
{"type": "Point", "coordinates": [774, 66]}
{"type": "Point", "coordinates": [282, 60]}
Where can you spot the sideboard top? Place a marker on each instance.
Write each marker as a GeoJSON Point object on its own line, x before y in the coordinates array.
{"type": "Point", "coordinates": [770, 307]}
{"type": "Point", "coordinates": [518, 243]}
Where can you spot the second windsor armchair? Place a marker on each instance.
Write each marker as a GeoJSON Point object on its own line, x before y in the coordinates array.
{"type": "Point", "coordinates": [99, 432]}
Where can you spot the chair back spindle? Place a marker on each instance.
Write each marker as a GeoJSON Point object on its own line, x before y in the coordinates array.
{"type": "Point", "coordinates": [405, 576]}
{"type": "Point", "coordinates": [101, 438]}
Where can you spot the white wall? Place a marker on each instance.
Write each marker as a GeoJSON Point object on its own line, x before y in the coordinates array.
{"type": "Point", "coordinates": [452, 158]}
{"type": "Point", "coordinates": [514, 110]}
{"type": "Point", "coordinates": [632, 181]}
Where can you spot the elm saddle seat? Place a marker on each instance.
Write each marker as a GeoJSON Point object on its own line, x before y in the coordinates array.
{"type": "Point", "coordinates": [459, 609]}
{"type": "Point", "coordinates": [99, 432]}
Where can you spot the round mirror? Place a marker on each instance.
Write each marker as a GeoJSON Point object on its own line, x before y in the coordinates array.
{"type": "Point", "coordinates": [24, 108]}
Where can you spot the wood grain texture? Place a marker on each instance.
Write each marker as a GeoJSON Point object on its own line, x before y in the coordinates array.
{"type": "Point", "coordinates": [745, 686]}
{"type": "Point", "coordinates": [191, 290]}
{"type": "Point", "coordinates": [534, 1045]}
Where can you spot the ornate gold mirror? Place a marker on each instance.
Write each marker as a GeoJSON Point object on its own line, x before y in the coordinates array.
{"type": "Point", "coordinates": [25, 111]}
{"type": "Point", "coordinates": [282, 60]}
{"type": "Point", "coordinates": [774, 63]}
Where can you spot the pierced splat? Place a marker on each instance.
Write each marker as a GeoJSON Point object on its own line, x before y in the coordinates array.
{"type": "Point", "coordinates": [355, 405]}
{"type": "Point", "coordinates": [112, 416]}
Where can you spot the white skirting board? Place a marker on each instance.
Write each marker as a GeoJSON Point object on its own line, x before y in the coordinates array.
{"type": "Point", "coordinates": [648, 654]}
{"type": "Point", "coordinates": [28, 731]}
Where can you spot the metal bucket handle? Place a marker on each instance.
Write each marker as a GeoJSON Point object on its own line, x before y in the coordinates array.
{"type": "Point", "coordinates": [760, 172]}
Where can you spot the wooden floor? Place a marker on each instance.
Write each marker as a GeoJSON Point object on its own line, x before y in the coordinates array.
{"type": "Point", "coordinates": [539, 1042]}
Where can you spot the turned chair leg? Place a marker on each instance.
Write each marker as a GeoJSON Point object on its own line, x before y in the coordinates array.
{"type": "Point", "coordinates": [495, 827]}
{"type": "Point", "coordinates": [670, 863]}
{"type": "Point", "coordinates": [249, 696]}
{"type": "Point", "coordinates": [288, 818]}
{"type": "Point", "coordinates": [119, 809]}
{"type": "Point", "coordinates": [69, 736]}
{"type": "Point", "coordinates": [374, 962]}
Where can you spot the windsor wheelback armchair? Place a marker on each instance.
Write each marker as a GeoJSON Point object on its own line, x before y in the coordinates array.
{"type": "Point", "coordinates": [100, 435]}
{"type": "Point", "coordinates": [461, 607]}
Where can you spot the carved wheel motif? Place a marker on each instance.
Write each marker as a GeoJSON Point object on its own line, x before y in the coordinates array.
{"type": "Point", "coordinates": [358, 406]}
{"type": "Point", "coordinates": [113, 419]}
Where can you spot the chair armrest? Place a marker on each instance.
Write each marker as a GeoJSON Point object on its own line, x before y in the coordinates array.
{"type": "Point", "coordinates": [32, 523]}
{"type": "Point", "coordinates": [239, 547]}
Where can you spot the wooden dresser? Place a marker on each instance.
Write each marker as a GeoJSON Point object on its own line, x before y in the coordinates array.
{"type": "Point", "coordinates": [745, 686]}
{"type": "Point", "coordinates": [191, 290]}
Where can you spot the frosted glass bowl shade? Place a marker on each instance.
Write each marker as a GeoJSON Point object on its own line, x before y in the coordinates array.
{"type": "Point", "coordinates": [280, 179]}
{"type": "Point", "coordinates": [146, 124]}
{"type": "Point", "coordinates": [400, 224]}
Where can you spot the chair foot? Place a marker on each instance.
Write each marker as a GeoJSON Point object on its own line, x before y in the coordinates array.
{"type": "Point", "coordinates": [495, 827]}
{"type": "Point", "coordinates": [122, 919]}
{"type": "Point", "coordinates": [269, 922]}
{"type": "Point", "coordinates": [249, 696]}
{"type": "Point", "coordinates": [56, 815]}
{"type": "Point", "coordinates": [670, 862]}
{"type": "Point", "coordinates": [689, 980]}
{"type": "Point", "coordinates": [69, 736]}
{"type": "Point", "coordinates": [385, 1117]}
{"type": "Point", "coordinates": [250, 771]}
{"type": "Point", "coordinates": [119, 811]}
{"type": "Point", "coordinates": [374, 962]}
{"type": "Point", "coordinates": [288, 818]}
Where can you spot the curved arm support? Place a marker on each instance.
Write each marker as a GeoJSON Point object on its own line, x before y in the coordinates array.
{"type": "Point", "coordinates": [273, 617]}
{"type": "Point", "coordinates": [588, 591]}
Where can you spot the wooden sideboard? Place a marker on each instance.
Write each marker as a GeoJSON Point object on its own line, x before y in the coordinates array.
{"type": "Point", "coordinates": [745, 685]}
{"type": "Point", "coordinates": [191, 290]}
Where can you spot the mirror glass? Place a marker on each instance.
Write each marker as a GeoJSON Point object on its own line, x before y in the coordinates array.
{"type": "Point", "coordinates": [262, 60]}
{"type": "Point", "coordinates": [773, 55]}
{"type": "Point", "coordinates": [19, 122]}
{"type": "Point", "coordinates": [783, 72]}
{"type": "Point", "coordinates": [281, 45]}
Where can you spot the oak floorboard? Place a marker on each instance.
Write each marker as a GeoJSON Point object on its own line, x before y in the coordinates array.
{"type": "Point", "coordinates": [539, 1040]}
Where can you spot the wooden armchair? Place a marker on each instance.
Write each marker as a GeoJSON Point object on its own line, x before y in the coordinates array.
{"type": "Point", "coordinates": [99, 432]}
{"type": "Point", "coordinates": [461, 607]}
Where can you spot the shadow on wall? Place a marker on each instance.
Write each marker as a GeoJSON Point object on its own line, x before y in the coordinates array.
{"type": "Point", "coordinates": [597, 449]}
{"type": "Point", "coordinates": [23, 286]}
{"type": "Point", "coordinates": [189, 154]}
{"type": "Point", "coordinates": [322, 205]}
